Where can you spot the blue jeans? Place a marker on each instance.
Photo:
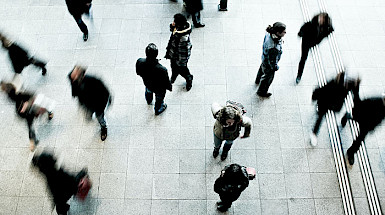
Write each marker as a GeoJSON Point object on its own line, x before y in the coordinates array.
{"type": "Point", "coordinates": [218, 143]}
{"type": "Point", "coordinates": [159, 99]}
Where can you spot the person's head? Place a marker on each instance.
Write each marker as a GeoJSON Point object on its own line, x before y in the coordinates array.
{"type": "Point", "coordinates": [7, 87]}
{"type": "Point", "coordinates": [179, 20]}
{"type": "Point", "coordinates": [45, 162]}
{"type": "Point", "coordinates": [228, 116]}
{"type": "Point", "coordinates": [233, 173]}
{"type": "Point", "coordinates": [151, 51]}
{"type": "Point", "coordinates": [324, 19]}
{"type": "Point", "coordinates": [4, 41]}
{"type": "Point", "coordinates": [77, 73]}
{"type": "Point", "coordinates": [278, 29]}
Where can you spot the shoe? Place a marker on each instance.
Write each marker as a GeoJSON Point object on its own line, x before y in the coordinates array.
{"type": "Point", "coordinates": [257, 81]}
{"type": "Point", "coordinates": [43, 71]}
{"type": "Point", "coordinates": [350, 157]}
{"type": "Point", "coordinates": [103, 134]}
{"type": "Point", "coordinates": [85, 37]}
{"type": "Point", "coordinates": [199, 25]}
{"type": "Point", "coordinates": [266, 95]}
{"type": "Point", "coordinates": [215, 153]}
{"type": "Point", "coordinates": [344, 120]}
{"type": "Point", "coordinates": [189, 83]}
{"type": "Point", "coordinates": [219, 202]}
{"type": "Point", "coordinates": [161, 110]}
{"type": "Point", "coordinates": [50, 116]}
{"type": "Point", "coordinates": [222, 208]}
{"type": "Point", "coordinates": [313, 139]}
{"type": "Point", "coordinates": [224, 156]}
{"type": "Point", "coordinates": [297, 80]}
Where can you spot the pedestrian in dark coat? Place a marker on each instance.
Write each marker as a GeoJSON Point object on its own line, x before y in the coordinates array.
{"type": "Point", "coordinates": [271, 54]}
{"type": "Point", "coordinates": [368, 113]}
{"type": "Point", "coordinates": [77, 8]}
{"type": "Point", "coordinates": [233, 180]}
{"type": "Point", "coordinates": [93, 95]}
{"type": "Point", "coordinates": [331, 97]}
{"type": "Point", "coordinates": [61, 183]}
{"type": "Point", "coordinates": [194, 7]}
{"type": "Point", "coordinates": [19, 56]}
{"type": "Point", "coordinates": [179, 49]}
{"type": "Point", "coordinates": [312, 33]}
{"type": "Point", "coordinates": [155, 78]}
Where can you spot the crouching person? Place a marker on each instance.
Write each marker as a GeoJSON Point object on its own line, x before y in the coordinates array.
{"type": "Point", "coordinates": [61, 184]}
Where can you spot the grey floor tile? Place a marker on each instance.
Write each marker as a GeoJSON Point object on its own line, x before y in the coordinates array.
{"type": "Point", "coordinates": [325, 185]}
{"type": "Point", "coordinates": [111, 185]}
{"type": "Point", "coordinates": [192, 186]}
{"type": "Point", "coordinates": [328, 206]}
{"type": "Point", "coordinates": [140, 207]}
{"type": "Point", "coordinates": [269, 161]}
{"type": "Point", "coordinates": [247, 207]}
{"type": "Point", "coordinates": [34, 185]}
{"type": "Point", "coordinates": [166, 186]}
{"type": "Point", "coordinates": [115, 161]}
{"type": "Point", "coordinates": [320, 160]}
{"type": "Point", "coordinates": [90, 158]}
{"type": "Point", "coordinates": [295, 160]}
{"type": "Point", "coordinates": [140, 161]}
{"type": "Point", "coordinates": [30, 205]}
{"type": "Point", "coordinates": [10, 183]}
{"type": "Point", "coordinates": [272, 186]}
{"type": "Point", "coordinates": [298, 190]}
{"type": "Point", "coordinates": [192, 161]}
{"type": "Point", "coordinates": [8, 205]}
{"type": "Point", "coordinates": [110, 206]}
{"type": "Point", "coordinates": [291, 137]}
{"type": "Point", "coordinates": [301, 206]}
{"type": "Point", "coordinates": [274, 206]}
{"type": "Point", "coordinates": [192, 207]}
{"type": "Point", "coordinates": [166, 161]}
{"type": "Point", "coordinates": [164, 207]}
{"type": "Point", "coordinates": [139, 186]}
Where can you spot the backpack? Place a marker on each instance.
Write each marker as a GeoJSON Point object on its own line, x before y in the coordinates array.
{"type": "Point", "coordinates": [238, 106]}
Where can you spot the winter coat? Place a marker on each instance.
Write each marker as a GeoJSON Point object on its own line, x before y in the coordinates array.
{"type": "Point", "coordinates": [154, 75]}
{"type": "Point", "coordinates": [19, 57]}
{"type": "Point", "coordinates": [92, 93]}
{"type": "Point", "coordinates": [312, 34]}
{"type": "Point", "coordinates": [271, 52]}
{"type": "Point", "coordinates": [179, 45]}
{"type": "Point", "coordinates": [229, 189]}
{"type": "Point", "coordinates": [331, 96]}
{"type": "Point", "coordinates": [231, 132]}
{"type": "Point", "coordinates": [77, 7]}
{"type": "Point", "coordinates": [369, 112]}
{"type": "Point", "coordinates": [193, 6]}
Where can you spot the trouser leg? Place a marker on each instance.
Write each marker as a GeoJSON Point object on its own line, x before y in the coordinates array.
{"type": "Point", "coordinates": [266, 80]}
{"type": "Point", "coordinates": [317, 124]}
{"type": "Point", "coordinates": [357, 142]}
{"type": "Point", "coordinates": [196, 18]}
{"type": "Point", "coordinates": [37, 62]}
{"type": "Point", "coordinates": [81, 24]}
{"type": "Point", "coordinates": [259, 75]}
{"type": "Point", "coordinates": [227, 146]}
{"type": "Point", "coordinates": [217, 142]}
{"type": "Point", "coordinates": [185, 73]}
{"type": "Point", "coordinates": [101, 120]}
{"type": "Point", "coordinates": [148, 95]}
{"type": "Point", "coordinates": [304, 54]}
{"type": "Point", "coordinates": [174, 71]}
{"type": "Point", "coordinates": [159, 101]}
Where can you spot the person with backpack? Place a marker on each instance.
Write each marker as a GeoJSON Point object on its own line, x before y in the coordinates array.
{"type": "Point", "coordinates": [227, 126]}
{"type": "Point", "coordinates": [271, 54]}
{"type": "Point", "coordinates": [312, 33]}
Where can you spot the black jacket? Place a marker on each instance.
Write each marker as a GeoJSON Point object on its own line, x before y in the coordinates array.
{"type": "Point", "coordinates": [368, 112]}
{"type": "Point", "coordinates": [19, 57]}
{"type": "Point", "coordinates": [92, 93]}
{"type": "Point", "coordinates": [193, 6]}
{"type": "Point", "coordinates": [331, 96]}
{"type": "Point", "coordinates": [77, 7]}
{"type": "Point", "coordinates": [231, 189]}
{"type": "Point", "coordinates": [154, 75]}
{"type": "Point", "coordinates": [312, 34]}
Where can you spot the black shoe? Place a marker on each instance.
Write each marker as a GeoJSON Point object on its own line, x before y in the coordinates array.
{"type": "Point", "coordinates": [350, 157]}
{"type": "Point", "coordinates": [85, 37]}
{"type": "Point", "coordinates": [297, 80]}
{"type": "Point", "coordinates": [215, 153]}
{"type": "Point", "coordinates": [224, 156]}
{"type": "Point", "coordinates": [189, 83]}
{"type": "Point", "coordinates": [222, 208]}
{"type": "Point", "coordinates": [43, 71]}
{"type": "Point", "coordinates": [161, 110]}
{"type": "Point", "coordinates": [265, 95]}
{"type": "Point", "coordinates": [257, 81]}
{"type": "Point", "coordinates": [103, 134]}
{"type": "Point", "coordinates": [199, 25]}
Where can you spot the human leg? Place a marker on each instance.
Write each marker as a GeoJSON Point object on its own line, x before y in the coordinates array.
{"type": "Point", "coordinates": [304, 54]}
{"type": "Point", "coordinates": [266, 80]}
{"type": "Point", "coordinates": [174, 71]}
{"type": "Point", "coordinates": [82, 26]}
{"type": "Point", "coordinates": [103, 125]}
{"type": "Point", "coordinates": [185, 73]}
{"type": "Point", "coordinates": [196, 18]}
{"type": "Point", "coordinates": [259, 75]}
{"type": "Point", "coordinates": [217, 145]}
{"type": "Point", "coordinates": [148, 95]}
{"type": "Point", "coordinates": [356, 145]}
{"type": "Point", "coordinates": [226, 149]}
{"type": "Point", "coordinates": [160, 106]}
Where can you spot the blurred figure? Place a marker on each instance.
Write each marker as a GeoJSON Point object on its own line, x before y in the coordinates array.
{"type": "Point", "coordinates": [179, 49]}
{"type": "Point", "coordinates": [222, 5]}
{"type": "Point", "coordinates": [77, 8]}
{"type": "Point", "coordinates": [193, 7]}
{"type": "Point", "coordinates": [19, 56]}
{"type": "Point", "coordinates": [368, 113]}
{"type": "Point", "coordinates": [227, 127]}
{"type": "Point", "coordinates": [312, 34]}
{"type": "Point", "coordinates": [93, 95]}
{"type": "Point", "coordinates": [28, 106]}
{"type": "Point", "coordinates": [331, 97]}
{"type": "Point", "coordinates": [271, 54]}
{"type": "Point", "coordinates": [233, 180]}
{"type": "Point", "coordinates": [155, 78]}
{"type": "Point", "coordinates": [61, 183]}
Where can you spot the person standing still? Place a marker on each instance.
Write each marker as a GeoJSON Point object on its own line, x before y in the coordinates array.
{"type": "Point", "coordinates": [179, 49]}
{"type": "Point", "coordinates": [155, 78]}
{"type": "Point", "coordinates": [193, 7]}
{"type": "Point", "coordinates": [272, 51]}
{"type": "Point", "coordinates": [77, 8]}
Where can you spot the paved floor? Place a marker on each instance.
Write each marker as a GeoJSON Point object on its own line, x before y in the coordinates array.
{"type": "Point", "coordinates": [163, 164]}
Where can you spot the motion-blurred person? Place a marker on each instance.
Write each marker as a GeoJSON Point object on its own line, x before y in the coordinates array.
{"type": "Point", "coordinates": [77, 8]}
{"type": "Point", "coordinates": [179, 49]}
{"type": "Point", "coordinates": [227, 127]}
{"type": "Point", "coordinates": [28, 106]}
{"type": "Point", "coordinates": [312, 34]}
{"type": "Point", "coordinates": [93, 95]}
{"type": "Point", "coordinates": [19, 56]}
{"type": "Point", "coordinates": [194, 7]}
{"type": "Point", "coordinates": [272, 50]}
{"type": "Point", "coordinates": [368, 113]}
{"type": "Point", "coordinates": [155, 78]}
{"type": "Point", "coordinates": [331, 97]}
{"type": "Point", "coordinates": [233, 180]}
{"type": "Point", "coordinates": [61, 183]}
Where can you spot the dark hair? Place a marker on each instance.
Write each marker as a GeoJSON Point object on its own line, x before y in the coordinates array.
{"type": "Point", "coordinates": [277, 27]}
{"type": "Point", "coordinates": [180, 20]}
{"type": "Point", "coordinates": [326, 16]}
{"type": "Point", "coordinates": [233, 173]}
{"type": "Point", "coordinates": [226, 113]}
{"type": "Point", "coordinates": [151, 51]}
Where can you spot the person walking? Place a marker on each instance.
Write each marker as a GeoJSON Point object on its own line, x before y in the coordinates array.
{"type": "Point", "coordinates": [179, 49]}
{"type": "Point", "coordinates": [193, 7]}
{"type": "Point", "coordinates": [312, 33]}
{"type": "Point", "coordinates": [368, 113]}
{"type": "Point", "coordinates": [77, 8]}
{"type": "Point", "coordinates": [155, 78]}
{"type": "Point", "coordinates": [227, 127]}
{"type": "Point", "coordinates": [20, 57]}
{"type": "Point", "coordinates": [231, 183]}
{"type": "Point", "coordinates": [331, 97]}
{"type": "Point", "coordinates": [272, 51]}
{"type": "Point", "coordinates": [93, 95]}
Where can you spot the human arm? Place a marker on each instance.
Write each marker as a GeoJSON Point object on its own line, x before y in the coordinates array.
{"type": "Point", "coordinates": [246, 122]}
{"type": "Point", "coordinates": [272, 59]}
{"type": "Point", "coordinates": [215, 108]}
